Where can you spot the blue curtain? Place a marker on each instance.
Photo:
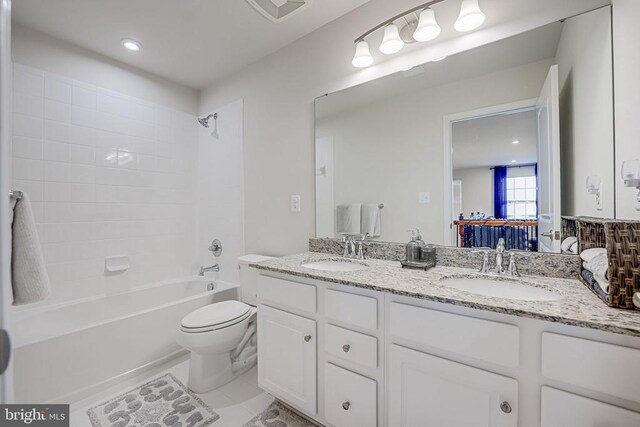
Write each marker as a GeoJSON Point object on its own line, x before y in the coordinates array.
{"type": "Point", "coordinates": [500, 192]}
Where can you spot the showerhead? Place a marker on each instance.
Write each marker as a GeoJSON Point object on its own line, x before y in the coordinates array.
{"type": "Point", "coordinates": [204, 121]}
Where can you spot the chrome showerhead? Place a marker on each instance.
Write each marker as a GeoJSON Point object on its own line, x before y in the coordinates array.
{"type": "Point", "coordinates": [204, 121]}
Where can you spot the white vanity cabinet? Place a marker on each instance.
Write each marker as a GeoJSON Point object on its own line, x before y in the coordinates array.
{"type": "Point", "coordinates": [287, 357]}
{"type": "Point", "coordinates": [425, 390]}
{"type": "Point", "coordinates": [347, 356]}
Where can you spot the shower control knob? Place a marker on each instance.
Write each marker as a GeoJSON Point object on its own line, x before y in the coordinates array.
{"type": "Point", "coordinates": [346, 405]}
{"type": "Point", "coordinates": [505, 407]}
{"type": "Point", "coordinates": [346, 348]}
{"type": "Point", "coordinates": [307, 338]}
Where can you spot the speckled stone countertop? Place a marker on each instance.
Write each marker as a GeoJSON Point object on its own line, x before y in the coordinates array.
{"type": "Point", "coordinates": [578, 306]}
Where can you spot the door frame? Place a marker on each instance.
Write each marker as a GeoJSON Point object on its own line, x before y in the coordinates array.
{"type": "Point", "coordinates": [448, 121]}
{"type": "Point", "coordinates": [6, 85]}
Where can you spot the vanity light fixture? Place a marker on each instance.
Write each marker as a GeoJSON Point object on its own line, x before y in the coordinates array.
{"type": "Point", "coordinates": [631, 177]}
{"type": "Point", "coordinates": [594, 187]}
{"type": "Point", "coordinates": [131, 44]}
{"type": "Point", "coordinates": [418, 25]}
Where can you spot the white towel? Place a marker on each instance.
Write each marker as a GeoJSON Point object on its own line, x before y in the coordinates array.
{"type": "Point", "coordinates": [28, 272]}
{"type": "Point", "coordinates": [588, 254]}
{"type": "Point", "coordinates": [370, 219]}
{"type": "Point", "coordinates": [567, 243]}
{"type": "Point", "coordinates": [599, 266]}
{"type": "Point", "coordinates": [574, 249]}
{"type": "Point", "coordinates": [348, 218]}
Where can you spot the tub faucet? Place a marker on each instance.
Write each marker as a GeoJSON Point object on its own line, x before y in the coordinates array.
{"type": "Point", "coordinates": [214, 267]}
{"type": "Point", "coordinates": [499, 255]}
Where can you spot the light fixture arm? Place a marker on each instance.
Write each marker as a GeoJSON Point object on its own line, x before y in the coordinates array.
{"type": "Point", "coordinates": [398, 16]}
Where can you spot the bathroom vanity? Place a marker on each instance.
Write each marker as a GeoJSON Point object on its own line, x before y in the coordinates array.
{"type": "Point", "coordinates": [383, 346]}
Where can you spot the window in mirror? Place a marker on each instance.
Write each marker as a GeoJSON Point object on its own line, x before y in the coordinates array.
{"type": "Point", "coordinates": [522, 197]}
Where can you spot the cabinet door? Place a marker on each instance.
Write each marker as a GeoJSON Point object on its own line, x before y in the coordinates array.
{"type": "Point", "coordinates": [287, 357]}
{"type": "Point", "coordinates": [562, 409]}
{"type": "Point", "coordinates": [425, 390]}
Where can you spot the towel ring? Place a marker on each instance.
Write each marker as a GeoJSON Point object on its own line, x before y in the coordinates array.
{"type": "Point", "coordinates": [16, 194]}
{"type": "Point", "coordinates": [381, 205]}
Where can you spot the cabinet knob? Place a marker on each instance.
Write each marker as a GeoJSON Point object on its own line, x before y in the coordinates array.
{"type": "Point", "coordinates": [307, 338]}
{"type": "Point", "coordinates": [346, 348]}
{"type": "Point", "coordinates": [505, 407]}
{"type": "Point", "coordinates": [346, 405]}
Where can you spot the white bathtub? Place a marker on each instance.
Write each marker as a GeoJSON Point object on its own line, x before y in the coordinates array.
{"type": "Point", "coordinates": [66, 352]}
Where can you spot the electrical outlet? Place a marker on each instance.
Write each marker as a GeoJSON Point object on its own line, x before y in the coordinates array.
{"type": "Point", "coordinates": [424, 197]}
{"type": "Point", "coordinates": [295, 203]}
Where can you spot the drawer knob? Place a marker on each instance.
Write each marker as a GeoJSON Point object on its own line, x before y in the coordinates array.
{"type": "Point", "coordinates": [346, 405]}
{"type": "Point", "coordinates": [505, 407]}
{"type": "Point", "coordinates": [346, 348]}
{"type": "Point", "coordinates": [307, 338]}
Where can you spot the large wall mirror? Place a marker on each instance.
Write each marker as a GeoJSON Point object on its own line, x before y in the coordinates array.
{"type": "Point", "coordinates": [501, 141]}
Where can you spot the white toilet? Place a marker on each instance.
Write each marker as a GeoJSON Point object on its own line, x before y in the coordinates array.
{"type": "Point", "coordinates": [221, 336]}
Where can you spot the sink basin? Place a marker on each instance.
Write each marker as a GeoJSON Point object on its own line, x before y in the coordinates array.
{"type": "Point", "coordinates": [334, 265]}
{"type": "Point", "coordinates": [507, 289]}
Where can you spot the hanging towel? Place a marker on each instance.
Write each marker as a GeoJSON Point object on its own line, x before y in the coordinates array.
{"type": "Point", "coordinates": [29, 278]}
{"type": "Point", "coordinates": [348, 218]}
{"type": "Point", "coordinates": [370, 219]}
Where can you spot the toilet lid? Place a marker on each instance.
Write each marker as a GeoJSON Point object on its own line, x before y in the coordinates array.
{"type": "Point", "coordinates": [216, 314]}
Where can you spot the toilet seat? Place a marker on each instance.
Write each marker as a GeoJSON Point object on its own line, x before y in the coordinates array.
{"type": "Point", "coordinates": [215, 316]}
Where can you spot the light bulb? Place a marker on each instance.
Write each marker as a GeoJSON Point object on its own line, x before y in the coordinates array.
{"type": "Point", "coordinates": [428, 28]}
{"type": "Point", "coordinates": [470, 17]}
{"type": "Point", "coordinates": [391, 42]}
{"type": "Point", "coordinates": [362, 58]}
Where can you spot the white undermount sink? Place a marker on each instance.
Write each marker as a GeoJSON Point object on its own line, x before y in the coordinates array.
{"type": "Point", "coordinates": [507, 289]}
{"type": "Point", "coordinates": [334, 265]}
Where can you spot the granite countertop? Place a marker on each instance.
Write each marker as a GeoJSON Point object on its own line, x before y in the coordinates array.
{"type": "Point", "coordinates": [578, 307]}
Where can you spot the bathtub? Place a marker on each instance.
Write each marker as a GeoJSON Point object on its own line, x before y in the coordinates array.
{"type": "Point", "coordinates": [66, 352]}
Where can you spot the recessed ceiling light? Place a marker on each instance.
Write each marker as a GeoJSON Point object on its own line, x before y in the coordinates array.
{"type": "Point", "coordinates": [515, 141]}
{"type": "Point", "coordinates": [513, 161]}
{"type": "Point", "coordinates": [131, 44]}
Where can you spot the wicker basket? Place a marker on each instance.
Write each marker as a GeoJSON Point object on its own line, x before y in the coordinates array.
{"type": "Point", "coordinates": [622, 241]}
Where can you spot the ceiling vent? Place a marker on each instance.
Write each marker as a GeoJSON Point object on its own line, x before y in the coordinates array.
{"type": "Point", "coordinates": [279, 10]}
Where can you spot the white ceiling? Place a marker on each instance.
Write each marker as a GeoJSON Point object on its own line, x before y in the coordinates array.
{"type": "Point", "coordinates": [487, 141]}
{"type": "Point", "coordinates": [192, 42]}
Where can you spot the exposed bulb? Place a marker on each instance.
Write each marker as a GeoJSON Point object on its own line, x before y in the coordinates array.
{"type": "Point", "coordinates": [362, 58]}
{"type": "Point", "coordinates": [391, 42]}
{"type": "Point", "coordinates": [428, 28]}
{"type": "Point", "coordinates": [470, 17]}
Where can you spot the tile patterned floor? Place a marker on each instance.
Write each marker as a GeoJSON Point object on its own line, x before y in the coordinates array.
{"type": "Point", "coordinates": [236, 402]}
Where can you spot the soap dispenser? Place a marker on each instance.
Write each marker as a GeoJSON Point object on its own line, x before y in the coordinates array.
{"type": "Point", "coordinates": [418, 253]}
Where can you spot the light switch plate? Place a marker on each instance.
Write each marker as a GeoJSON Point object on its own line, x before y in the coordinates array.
{"type": "Point", "coordinates": [295, 203]}
{"type": "Point", "coordinates": [424, 197]}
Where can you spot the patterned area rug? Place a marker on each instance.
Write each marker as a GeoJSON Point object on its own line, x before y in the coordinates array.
{"type": "Point", "coordinates": [278, 415]}
{"type": "Point", "coordinates": [162, 402]}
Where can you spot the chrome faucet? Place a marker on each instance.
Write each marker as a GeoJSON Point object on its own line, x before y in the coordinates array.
{"type": "Point", "coordinates": [499, 255]}
{"type": "Point", "coordinates": [353, 248]}
{"type": "Point", "coordinates": [214, 267]}
{"type": "Point", "coordinates": [513, 269]}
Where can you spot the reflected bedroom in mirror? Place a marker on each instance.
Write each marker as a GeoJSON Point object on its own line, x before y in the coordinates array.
{"type": "Point", "coordinates": [509, 140]}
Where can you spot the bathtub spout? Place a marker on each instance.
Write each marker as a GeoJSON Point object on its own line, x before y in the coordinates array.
{"type": "Point", "coordinates": [214, 267]}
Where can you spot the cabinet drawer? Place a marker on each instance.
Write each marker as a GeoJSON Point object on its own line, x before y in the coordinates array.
{"type": "Point", "coordinates": [349, 399]}
{"type": "Point", "coordinates": [292, 294]}
{"type": "Point", "coordinates": [562, 409]}
{"type": "Point", "coordinates": [602, 367]}
{"type": "Point", "coordinates": [465, 336]}
{"type": "Point", "coordinates": [352, 346]}
{"type": "Point", "coordinates": [357, 310]}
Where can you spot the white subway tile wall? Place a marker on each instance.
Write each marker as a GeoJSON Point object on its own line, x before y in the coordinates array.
{"type": "Point", "coordinates": [108, 175]}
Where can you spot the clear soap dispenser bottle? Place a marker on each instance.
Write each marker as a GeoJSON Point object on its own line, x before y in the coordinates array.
{"type": "Point", "coordinates": [418, 253]}
{"type": "Point", "coordinates": [413, 248]}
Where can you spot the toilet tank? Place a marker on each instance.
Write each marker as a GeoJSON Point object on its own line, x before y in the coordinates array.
{"type": "Point", "coordinates": [249, 278]}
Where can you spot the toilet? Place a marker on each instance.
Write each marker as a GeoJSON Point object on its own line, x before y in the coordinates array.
{"type": "Point", "coordinates": [222, 336]}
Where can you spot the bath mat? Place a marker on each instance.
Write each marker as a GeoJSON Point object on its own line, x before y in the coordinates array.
{"type": "Point", "coordinates": [162, 402]}
{"type": "Point", "coordinates": [278, 415]}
